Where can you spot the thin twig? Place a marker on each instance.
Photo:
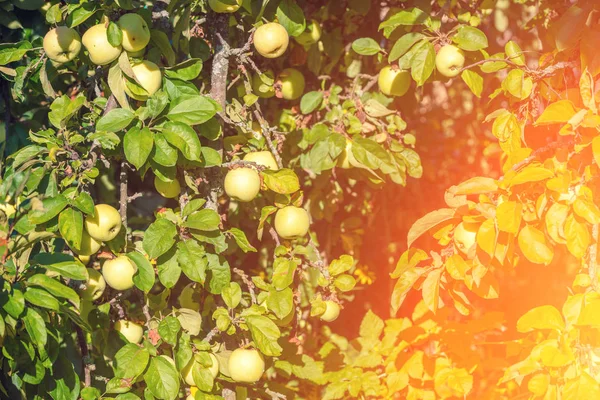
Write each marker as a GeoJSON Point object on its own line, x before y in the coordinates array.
{"type": "Point", "coordinates": [123, 198]}
{"type": "Point", "coordinates": [275, 395]}
{"type": "Point", "coordinates": [248, 283]}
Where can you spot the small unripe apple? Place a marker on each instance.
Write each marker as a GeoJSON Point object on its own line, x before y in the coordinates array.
{"type": "Point", "coordinates": [450, 60]}
{"type": "Point", "coordinates": [332, 312]}
{"type": "Point", "coordinates": [136, 34]}
{"type": "Point", "coordinates": [105, 224]}
{"type": "Point", "coordinates": [292, 83]}
{"type": "Point", "coordinates": [246, 365]}
{"type": "Point", "coordinates": [133, 332]}
{"type": "Point", "coordinates": [311, 34]}
{"type": "Point", "coordinates": [149, 77]}
{"type": "Point", "coordinates": [169, 190]}
{"type": "Point", "coordinates": [100, 50]}
{"type": "Point", "coordinates": [62, 44]}
{"type": "Point", "coordinates": [118, 273]}
{"type": "Point", "coordinates": [264, 158]}
{"type": "Point", "coordinates": [88, 245]}
{"type": "Point", "coordinates": [94, 286]}
{"type": "Point", "coordinates": [242, 184]}
{"type": "Point", "coordinates": [393, 82]}
{"type": "Point", "coordinates": [225, 6]}
{"type": "Point", "coordinates": [291, 222]}
{"type": "Point", "coordinates": [260, 88]}
{"type": "Point", "coordinates": [271, 40]}
{"type": "Point", "coordinates": [465, 236]}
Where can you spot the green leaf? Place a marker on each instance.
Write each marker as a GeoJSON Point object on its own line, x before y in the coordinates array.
{"type": "Point", "coordinates": [169, 270]}
{"type": "Point", "coordinates": [371, 326]}
{"type": "Point", "coordinates": [204, 220]}
{"type": "Point", "coordinates": [159, 237]}
{"type": "Point", "coordinates": [116, 83]}
{"type": "Point", "coordinates": [161, 41]}
{"type": "Point", "coordinates": [411, 16]}
{"type": "Point", "coordinates": [190, 320]}
{"type": "Point", "coordinates": [64, 264]}
{"type": "Point", "coordinates": [423, 63]}
{"type": "Point", "coordinates": [291, 17]}
{"type": "Point", "coordinates": [70, 225]}
{"type": "Point", "coordinates": [514, 53]}
{"type": "Point", "coordinates": [162, 379]}
{"type": "Point", "coordinates": [184, 138]}
{"type": "Point", "coordinates": [202, 377]}
{"type": "Point", "coordinates": [366, 46]}
{"type": "Point", "coordinates": [115, 120]}
{"type": "Point", "coordinates": [345, 282]}
{"type": "Point", "coordinates": [283, 272]}
{"type": "Point", "coordinates": [404, 44]}
{"type": "Point", "coordinates": [41, 298]}
{"type": "Point", "coordinates": [11, 52]}
{"type": "Point", "coordinates": [310, 102]}
{"type": "Point", "coordinates": [115, 35]}
{"type": "Point", "coordinates": [168, 329]}
{"type": "Point", "coordinates": [191, 258]}
{"type": "Point", "coordinates": [470, 38]}
{"type": "Point", "coordinates": [232, 295]}
{"type": "Point", "coordinates": [51, 207]}
{"type": "Point", "coordinates": [164, 154]}
{"type": "Point", "coordinates": [85, 203]}
{"type": "Point", "coordinates": [54, 287]}
{"type": "Point", "coordinates": [144, 276]}
{"type": "Point", "coordinates": [186, 71]}
{"type": "Point", "coordinates": [283, 181]}
{"type": "Point", "coordinates": [36, 327]}
{"type": "Point", "coordinates": [54, 15]}
{"type": "Point", "coordinates": [79, 15]}
{"type": "Point", "coordinates": [340, 265]}
{"type": "Point", "coordinates": [517, 84]}
{"type": "Point", "coordinates": [118, 385]}
{"type": "Point", "coordinates": [264, 334]}
{"type": "Point", "coordinates": [241, 240]}
{"type": "Point", "coordinates": [193, 110]}
{"type": "Point", "coordinates": [192, 206]}
{"type": "Point", "coordinates": [281, 302]}
{"type": "Point", "coordinates": [89, 393]}
{"type": "Point", "coordinates": [137, 145]}
{"type": "Point", "coordinates": [15, 304]}
{"type": "Point", "coordinates": [473, 80]}
{"type": "Point", "coordinates": [219, 273]}
{"type": "Point", "coordinates": [157, 103]}
{"type": "Point", "coordinates": [130, 361]}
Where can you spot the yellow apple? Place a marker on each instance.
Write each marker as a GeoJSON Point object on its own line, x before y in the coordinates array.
{"type": "Point", "coordinates": [225, 6]}
{"type": "Point", "coordinates": [264, 158]}
{"type": "Point", "coordinates": [94, 286]}
{"type": "Point", "coordinates": [169, 190]}
{"type": "Point", "coordinates": [62, 44]}
{"type": "Point", "coordinates": [271, 40]}
{"type": "Point", "coordinates": [311, 34]}
{"type": "Point", "coordinates": [136, 34]}
{"type": "Point", "coordinates": [292, 83]}
{"type": "Point", "coordinates": [346, 156]}
{"type": "Point", "coordinates": [149, 77]}
{"type": "Point", "coordinates": [193, 390]}
{"type": "Point", "coordinates": [88, 245]}
{"type": "Point", "coordinates": [246, 365]}
{"type": "Point", "coordinates": [393, 82]}
{"type": "Point", "coordinates": [187, 375]}
{"type": "Point", "coordinates": [84, 259]}
{"type": "Point", "coordinates": [465, 236]}
{"type": "Point", "coordinates": [118, 273]}
{"type": "Point", "coordinates": [96, 42]}
{"type": "Point", "coordinates": [260, 88]}
{"type": "Point", "coordinates": [332, 312]}
{"type": "Point", "coordinates": [450, 60]}
{"type": "Point", "coordinates": [242, 184]}
{"type": "Point", "coordinates": [105, 224]}
{"type": "Point", "coordinates": [133, 332]}
{"type": "Point", "coordinates": [291, 222]}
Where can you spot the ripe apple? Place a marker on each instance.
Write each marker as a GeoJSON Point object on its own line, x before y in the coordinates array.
{"type": "Point", "coordinates": [169, 190]}
{"type": "Point", "coordinates": [88, 245]}
{"type": "Point", "coordinates": [332, 312]}
{"type": "Point", "coordinates": [450, 60]}
{"type": "Point", "coordinates": [311, 34]}
{"type": "Point", "coordinates": [94, 286]}
{"type": "Point", "coordinates": [118, 273]}
{"type": "Point", "coordinates": [149, 77]}
{"type": "Point", "coordinates": [225, 6]}
{"type": "Point", "coordinates": [292, 83]}
{"type": "Point", "coordinates": [186, 372]}
{"type": "Point", "coordinates": [264, 158]}
{"type": "Point", "coordinates": [465, 236]}
{"type": "Point", "coordinates": [105, 224]}
{"type": "Point", "coordinates": [133, 332]}
{"type": "Point", "coordinates": [291, 222]}
{"type": "Point", "coordinates": [393, 82]}
{"type": "Point", "coordinates": [96, 42]}
{"type": "Point", "coordinates": [62, 44]}
{"type": "Point", "coordinates": [28, 4]}
{"type": "Point", "coordinates": [271, 40]}
{"type": "Point", "coordinates": [136, 34]}
{"type": "Point", "coordinates": [84, 259]}
{"type": "Point", "coordinates": [242, 184]}
{"type": "Point", "coordinates": [246, 365]}
{"type": "Point", "coordinates": [260, 88]}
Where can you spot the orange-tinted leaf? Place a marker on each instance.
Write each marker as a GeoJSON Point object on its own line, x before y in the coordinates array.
{"type": "Point", "coordinates": [555, 222]}
{"type": "Point", "coordinates": [409, 259]}
{"type": "Point", "coordinates": [486, 237]}
{"type": "Point", "coordinates": [431, 290]}
{"type": "Point", "coordinates": [403, 285]}
{"type": "Point", "coordinates": [559, 112]}
{"type": "Point", "coordinates": [531, 173]}
{"type": "Point", "coordinates": [543, 317]}
{"type": "Point", "coordinates": [475, 185]}
{"type": "Point", "coordinates": [457, 267]}
{"type": "Point", "coordinates": [577, 235]}
{"type": "Point", "coordinates": [508, 216]}
{"type": "Point", "coordinates": [587, 210]}
{"type": "Point", "coordinates": [534, 246]}
{"type": "Point", "coordinates": [427, 222]}
{"type": "Point", "coordinates": [581, 387]}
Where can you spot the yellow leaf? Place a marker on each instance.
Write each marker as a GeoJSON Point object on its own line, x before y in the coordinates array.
{"type": "Point", "coordinates": [505, 126]}
{"type": "Point", "coordinates": [542, 317]}
{"type": "Point", "coordinates": [457, 267]}
{"type": "Point", "coordinates": [559, 112]}
{"type": "Point", "coordinates": [572, 307]}
{"type": "Point", "coordinates": [427, 222]}
{"type": "Point", "coordinates": [582, 387]}
{"type": "Point", "coordinates": [453, 382]}
{"type": "Point", "coordinates": [409, 259]}
{"type": "Point", "coordinates": [475, 185]}
{"type": "Point", "coordinates": [534, 246]}
{"type": "Point", "coordinates": [587, 210]}
{"type": "Point", "coordinates": [531, 173]}
{"type": "Point", "coordinates": [596, 149]}
{"type": "Point", "coordinates": [508, 216]}
{"type": "Point", "coordinates": [556, 357]}
{"type": "Point", "coordinates": [586, 88]}
{"type": "Point", "coordinates": [402, 287]}
{"type": "Point", "coordinates": [555, 222]}
{"type": "Point", "coordinates": [577, 235]}
{"type": "Point", "coordinates": [590, 313]}
{"type": "Point", "coordinates": [486, 237]}
{"type": "Point", "coordinates": [431, 290]}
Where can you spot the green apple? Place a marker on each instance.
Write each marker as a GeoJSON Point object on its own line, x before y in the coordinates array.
{"type": "Point", "coordinates": [246, 365]}
{"type": "Point", "coordinates": [187, 375]}
{"type": "Point", "coordinates": [133, 332]}
{"type": "Point", "coordinates": [149, 77]}
{"type": "Point", "coordinates": [225, 6]}
{"type": "Point", "coordinates": [28, 4]}
{"type": "Point", "coordinates": [450, 60]}
{"type": "Point", "coordinates": [94, 286]}
{"type": "Point", "coordinates": [169, 190]}
{"type": "Point", "coordinates": [291, 222]}
{"type": "Point", "coordinates": [292, 83]}
{"type": "Point", "coordinates": [118, 273]}
{"type": "Point", "coordinates": [88, 245]}
{"type": "Point", "coordinates": [242, 184]}
{"type": "Point", "coordinates": [105, 224]}
{"type": "Point", "coordinates": [332, 312]}
{"type": "Point", "coordinates": [465, 236]}
{"type": "Point", "coordinates": [62, 44]}
{"type": "Point", "coordinates": [311, 34]}
{"type": "Point", "coordinates": [260, 88]}
{"type": "Point", "coordinates": [264, 158]}
{"type": "Point", "coordinates": [271, 40]}
{"type": "Point", "coordinates": [136, 34]}
{"type": "Point", "coordinates": [84, 259]}
{"type": "Point", "coordinates": [393, 81]}
{"type": "Point", "coordinates": [100, 50]}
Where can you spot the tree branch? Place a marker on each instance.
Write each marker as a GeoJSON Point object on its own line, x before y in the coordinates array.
{"type": "Point", "coordinates": [248, 283]}
{"type": "Point", "coordinates": [123, 197]}
{"type": "Point", "coordinates": [86, 363]}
